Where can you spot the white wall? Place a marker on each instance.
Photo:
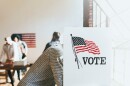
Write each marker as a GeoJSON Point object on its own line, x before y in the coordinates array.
{"type": "Point", "coordinates": [122, 66]}
{"type": "Point", "coordinates": [42, 17]}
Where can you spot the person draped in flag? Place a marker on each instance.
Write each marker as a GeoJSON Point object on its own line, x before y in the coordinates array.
{"type": "Point", "coordinates": [48, 68]}
{"type": "Point", "coordinates": [55, 41]}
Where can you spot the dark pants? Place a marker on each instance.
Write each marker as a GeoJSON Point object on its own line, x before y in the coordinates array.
{"type": "Point", "coordinates": [18, 74]}
{"type": "Point", "coordinates": [11, 77]}
{"type": "Point", "coordinates": [24, 69]}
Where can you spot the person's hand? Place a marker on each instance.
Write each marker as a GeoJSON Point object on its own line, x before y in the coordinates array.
{"type": "Point", "coordinates": [12, 59]}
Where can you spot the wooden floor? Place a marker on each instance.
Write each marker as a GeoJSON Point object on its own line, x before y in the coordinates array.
{"type": "Point", "coordinates": [8, 84]}
{"type": "Point", "coordinates": [15, 82]}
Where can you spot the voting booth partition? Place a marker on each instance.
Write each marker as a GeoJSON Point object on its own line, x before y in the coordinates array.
{"type": "Point", "coordinates": [87, 57]}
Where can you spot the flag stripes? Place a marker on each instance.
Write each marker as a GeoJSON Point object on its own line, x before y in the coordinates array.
{"type": "Point", "coordinates": [82, 45]}
{"type": "Point", "coordinates": [29, 38]}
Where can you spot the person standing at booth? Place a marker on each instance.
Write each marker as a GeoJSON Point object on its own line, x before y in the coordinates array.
{"type": "Point", "coordinates": [8, 54]}
{"type": "Point", "coordinates": [24, 50]}
{"type": "Point", "coordinates": [16, 39]}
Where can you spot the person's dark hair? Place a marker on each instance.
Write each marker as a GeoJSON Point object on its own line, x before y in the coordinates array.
{"type": "Point", "coordinates": [56, 36]}
{"type": "Point", "coordinates": [15, 35]}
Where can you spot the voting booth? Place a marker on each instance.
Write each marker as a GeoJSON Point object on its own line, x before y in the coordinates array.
{"type": "Point", "coordinates": [87, 57]}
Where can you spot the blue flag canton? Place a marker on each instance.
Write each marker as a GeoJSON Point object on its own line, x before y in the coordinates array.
{"type": "Point", "coordinates": [78, 41]}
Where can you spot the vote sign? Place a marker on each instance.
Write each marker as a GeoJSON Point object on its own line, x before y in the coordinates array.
{"type": "Point", "coordinates": [87, 56]}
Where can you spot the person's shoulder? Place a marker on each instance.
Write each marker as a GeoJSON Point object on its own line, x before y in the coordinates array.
{"type": "Point", "coordinates": [23, 42]}
{"type": "Point", "coordinates": [48, 44]}
{"type": "Point", "coordinates": [57, 50]}
{"type": "Point", "coordinates": [14, 43]}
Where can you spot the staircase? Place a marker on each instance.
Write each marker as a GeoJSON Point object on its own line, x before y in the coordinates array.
{"type": "Point", "coordinates": [94, 15]}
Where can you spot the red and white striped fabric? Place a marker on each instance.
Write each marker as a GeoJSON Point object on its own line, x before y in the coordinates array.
{"type": "Point", "coordinates": [30, 39]}
{"type": "Point", "coordinates": [90, 47]}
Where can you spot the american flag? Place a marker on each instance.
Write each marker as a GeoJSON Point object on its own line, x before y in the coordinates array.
{"type": "Point", "coordinates": [29, 38]}
{"type": "Point", "coordinates": [82, 45]}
